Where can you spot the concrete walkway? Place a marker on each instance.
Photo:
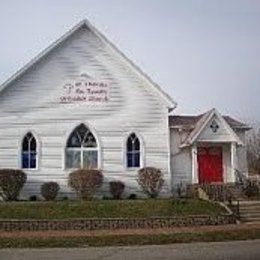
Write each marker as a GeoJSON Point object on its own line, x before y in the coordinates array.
{"type": "Point", "coordinates": [78, 233]}
{"type": "Point", "coordinates": [218, 250]}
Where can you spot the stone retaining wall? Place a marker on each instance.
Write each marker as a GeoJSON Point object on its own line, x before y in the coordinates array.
{"type": "Point", "coordinates": [114, 223]}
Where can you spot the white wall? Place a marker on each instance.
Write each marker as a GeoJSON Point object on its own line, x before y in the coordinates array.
{"type": "Point", "coordinates": [221, 135]}
{"type": "Point", "coordinates": [242, 153]}
{"type": "Point", "coordinates": [31, 104]}
{"type": "Point", "coordinates": [181, 161]}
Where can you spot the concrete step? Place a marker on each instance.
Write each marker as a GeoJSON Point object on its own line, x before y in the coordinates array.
{"type": "Point", "coordinates": [250, 202]}
{"type": "Point", "coordinates": [249, 210]}
{"type": "Point", "coordinates": [245, 204]}
{"type": "Point", "coordinates": [254, 207]}
{"type": "Point", "coordinates": [249, 215]}
{"type": "Point", "coordinates": [253, 222]}
{"type": "Point", "coordinates": [249, 206]}
{"type": "Point", "coordinates": [251, 219]}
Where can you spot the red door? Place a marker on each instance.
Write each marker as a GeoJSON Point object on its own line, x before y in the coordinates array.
{"type": "Point", "coordinates": [210, 164]}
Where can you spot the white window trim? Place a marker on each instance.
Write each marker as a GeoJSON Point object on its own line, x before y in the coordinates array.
{"type": "Point", "coordinates": [142, 152]}
{"type": "Point", "coordinates": [38, 149]}
{"type": "Point", "coordinates": [65, 148]}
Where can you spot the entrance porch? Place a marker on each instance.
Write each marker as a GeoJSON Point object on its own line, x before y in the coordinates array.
{"type": "Point", "coordinates": [213, 162]}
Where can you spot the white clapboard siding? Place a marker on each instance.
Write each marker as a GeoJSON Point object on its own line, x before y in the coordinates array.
{"type": "Point", "coordinates": [221, 135]}
{"type": "Point", "coordinates": [31, 103]}
{"type": "Point", "coordinates": [242, 152]}
{"type": "Point", "coordinates": [180, 159]}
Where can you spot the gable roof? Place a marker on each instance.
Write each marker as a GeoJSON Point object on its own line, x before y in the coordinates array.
{"type": "Point", "coordinates": [86, 24]}
{"type": "Point", "coordinates": [198, 123]}
{"type": "Point", "coordinates": [176, 121]}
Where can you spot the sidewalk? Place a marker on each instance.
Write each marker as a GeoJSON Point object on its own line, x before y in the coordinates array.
{"type": "Point", "coordinates": [97, 233]}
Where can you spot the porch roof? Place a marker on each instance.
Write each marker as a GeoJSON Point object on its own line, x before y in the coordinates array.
{"type": "Point", "coordinates": [187, 121]}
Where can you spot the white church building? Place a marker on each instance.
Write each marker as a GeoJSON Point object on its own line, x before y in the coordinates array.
{"type": "Point", "coordinates": [82, 103]}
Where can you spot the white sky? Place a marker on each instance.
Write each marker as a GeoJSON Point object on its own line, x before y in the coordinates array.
{"type": "Point", "coordinates": [203, 53]}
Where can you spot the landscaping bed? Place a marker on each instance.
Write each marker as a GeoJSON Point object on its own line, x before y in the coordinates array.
{"type": "Point", "coordinates": [108, 209]}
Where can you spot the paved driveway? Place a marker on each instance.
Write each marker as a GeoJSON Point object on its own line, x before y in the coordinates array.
{"type": "Point", "coordinates": [217, 250]}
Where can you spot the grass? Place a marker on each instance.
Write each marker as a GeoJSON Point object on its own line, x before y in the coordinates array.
{"type": "Point", "coordinates": [128, 240]}
{"type": "Point", "coordinates": [107, 209]}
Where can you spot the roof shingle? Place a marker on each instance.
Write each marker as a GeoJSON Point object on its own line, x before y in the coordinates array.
{"type": "Point", "coordinates": [190, 121]}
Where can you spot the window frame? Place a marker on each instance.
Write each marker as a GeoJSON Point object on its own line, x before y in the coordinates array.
{"type": "Point", "coordinates": [81, 149]}
{"type": "Point", "coordinates": [141, 152]}
{"type": "Point", "coordinates": [20, 158]}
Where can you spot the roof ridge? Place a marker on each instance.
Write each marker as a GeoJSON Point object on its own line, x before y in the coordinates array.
{"type": "Point", "coordinates": [172, 104]}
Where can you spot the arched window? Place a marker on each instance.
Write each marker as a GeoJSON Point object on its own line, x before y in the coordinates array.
{"type": "Point", "coordinates": [29, 152]}
{"type": "Point", "coordinates": [133, 151]}
{"type": "Point", "coordinates": [82, 149]}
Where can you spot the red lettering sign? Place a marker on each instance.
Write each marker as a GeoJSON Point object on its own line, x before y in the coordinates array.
{"type": "Point", "coordinates": [85, 91]}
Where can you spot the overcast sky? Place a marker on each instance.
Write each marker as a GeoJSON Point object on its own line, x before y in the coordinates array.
{"type": "Point", "coordinates": [203, 53]}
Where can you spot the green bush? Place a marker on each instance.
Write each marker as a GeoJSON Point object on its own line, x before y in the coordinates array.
{"type": "Point", "coordinates": [132, 196]}
{"type": "Point", "coordinates": [151, 181]}
{"type": "Point", "coordinates": [85, 182]}
{"type": "Point", "coordinates": [116, 189]}
{"type": "Point", "coordinates": [33, 198]}
{"type": "Point", "coordinates": [49, 190]}
{"type": "Point", "coordinates": [11, 183]}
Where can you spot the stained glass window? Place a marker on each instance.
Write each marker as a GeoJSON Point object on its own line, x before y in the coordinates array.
{"type": "Point", "coordinates": [82, 149]}
{"type": "Point", "coordinates": [29, 152]}
{"type": "Point", "coordinates": [133, 151]}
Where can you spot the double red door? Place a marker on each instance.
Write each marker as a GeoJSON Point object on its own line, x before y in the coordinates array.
{"type": "Point", "coordinates": [210, 167]}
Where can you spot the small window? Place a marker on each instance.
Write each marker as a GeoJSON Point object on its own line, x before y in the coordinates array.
{"type": "Point", "coordinates": [133, 151]}
{"type": "Point", "coordinates": [82, 149]}
{"type": "Point", "coordinates": [29, 152]}
{"type": "Point", "coordinates": [214, 126]}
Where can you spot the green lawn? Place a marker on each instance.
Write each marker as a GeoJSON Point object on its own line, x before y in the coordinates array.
{"type": "Point", "coordinates": [107, 208]}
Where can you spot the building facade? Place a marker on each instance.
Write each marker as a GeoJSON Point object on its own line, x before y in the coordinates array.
{"type": "Point", "coordinates": [82, 104]}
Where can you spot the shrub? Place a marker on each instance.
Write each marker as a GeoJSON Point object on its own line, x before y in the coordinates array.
{"type": "Point", "coordinates": [116, 189]}
{"type": "Point", "coordinates": [64, 198]}
{"type": "Point", "coordinates": [33, 198]}
{"type": "Point", "coordinates": [181, 190]}
{"type": "Point", "coordinates": [49, 190]}
{"type": "Point", "coordinates": [151, 181]}
{"type": "Point", "coordinates": [132, 196]}
{"type": "Point", "coordinates": [11, 183]}
{"type": "Point", "coordinates": [85, 182]}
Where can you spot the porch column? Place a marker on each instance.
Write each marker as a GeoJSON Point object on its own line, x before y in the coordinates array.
{"type": "Point", "coordinates": [233, 163]}
{"type": "Point", "coordinates": [194, 164]}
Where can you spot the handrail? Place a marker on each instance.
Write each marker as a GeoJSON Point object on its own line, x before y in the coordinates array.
{"type": "Point", "coordinates": [240, 179]}
{"type": "Point", "coordinates": [238, 209]}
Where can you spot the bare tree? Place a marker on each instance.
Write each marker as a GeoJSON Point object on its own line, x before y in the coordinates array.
{"type": "Point", "coordinates": [253, 152]}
